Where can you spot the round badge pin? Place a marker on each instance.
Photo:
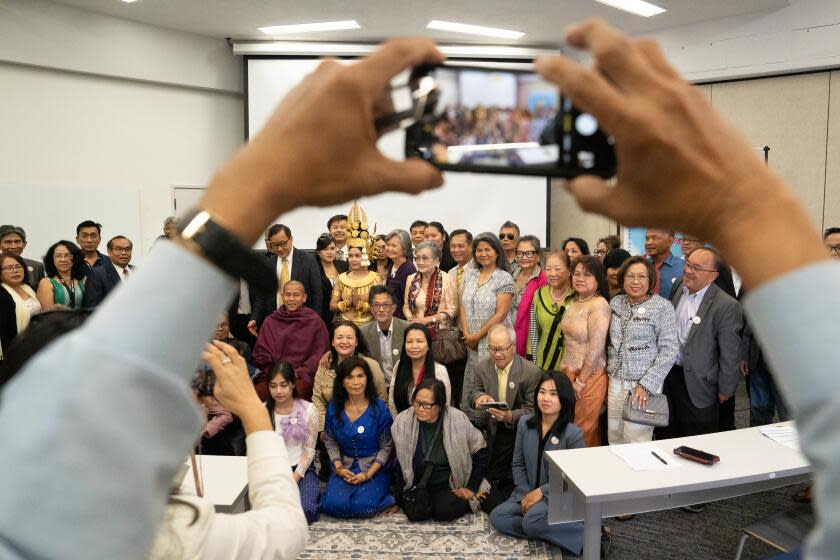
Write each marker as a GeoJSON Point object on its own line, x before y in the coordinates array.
{"type": "Point", "coordinates": [696, 320]}
{"type": "Point", "coordinates": [395, 352]}
{"type": "Point", "coordinates": [360, 429]}
{"type": "Point", "coordinates": [641, 311]}
{"type": "Point", "coordinates": [554, 440]}
{"type": "Point", "coordinates": [512, 385]}
{"type": "Point", "coordinates": [292, 420]}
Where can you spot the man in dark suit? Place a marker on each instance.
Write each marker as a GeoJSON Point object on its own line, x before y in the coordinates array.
{"type": "Point", "coordinates": [384, 336]}
{"type": "Point", "coordinates": [290, 264]}
{"type": "Point", "coordinates": [503, 377]}
{"type": "Point", "coordinates": [102, 280]}
{"type": "Point", "coordinates": [239, 313]}
{"type": "Point", "coordinates": [706, 373]}
{"type": "Point", "coordinates": [13, 242]}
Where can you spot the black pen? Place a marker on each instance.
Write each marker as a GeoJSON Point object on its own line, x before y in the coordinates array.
{"type": "Point", "coordinates": [664, 462]}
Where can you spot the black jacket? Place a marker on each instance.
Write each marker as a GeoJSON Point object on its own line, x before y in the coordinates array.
{"type": "Point", "coordinates": [306, 271]}
{"type": "Point", "coordinates": [100, 281]}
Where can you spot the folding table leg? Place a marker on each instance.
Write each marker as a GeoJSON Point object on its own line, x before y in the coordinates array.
{"type": "Point", "coordinates": [592, 532]}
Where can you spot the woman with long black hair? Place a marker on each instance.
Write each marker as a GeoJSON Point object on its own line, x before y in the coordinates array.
{"type": "Point", "coordinates": [416, 363]}
{"type": "Point", "coordinates": [549, 428]}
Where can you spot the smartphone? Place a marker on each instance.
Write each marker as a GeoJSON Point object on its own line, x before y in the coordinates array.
{"type": "Point", "coordinates": [501, 120]}
{"type": "Point", "coordinates": [497, 405]}
{"type": "Point", "coordinates": [696, 455]}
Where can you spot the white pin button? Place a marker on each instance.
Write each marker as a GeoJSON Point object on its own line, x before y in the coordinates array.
{"type": "Point", "coordinates": [696, 320]}
{"type": "Point", "coordinates": [360, 429]}
{"type": "Point", "coordinates": [554, 440]}
{"type": "Point", "coordinates": [395, 352]}
{"type": "Point", "coordinates": [292, 420]}
{"type": "Point", "coordinates": [641, 311]}
{"type": "Point", "coordinates": [512, 385]}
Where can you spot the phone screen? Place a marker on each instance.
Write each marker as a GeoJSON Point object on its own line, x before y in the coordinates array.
{"type": "Point", "coordinates": [494, 118]}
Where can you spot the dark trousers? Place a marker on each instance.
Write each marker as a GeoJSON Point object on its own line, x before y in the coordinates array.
{"type": "Point", "coordinates": [456, 380]}
{"type": "Point", "coordinates": [765, 399]}
{"type": "Point", "coordinates": [446, 506]}
{"type": "Point", "coordinates": [685, 418]}
{"type": "Point", "coordinates": [239, 329]}
{"type": "Point", "coordinates": [500, 467]}
{"type": "Point", "coordinates": [726, 415]}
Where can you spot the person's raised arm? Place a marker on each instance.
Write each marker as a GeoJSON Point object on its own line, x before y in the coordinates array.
{"type": "Point", "coordinates": [143, 343]}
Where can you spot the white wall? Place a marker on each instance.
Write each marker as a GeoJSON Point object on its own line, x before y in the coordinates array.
{"type": "Point", "coordinates": [97, 104]}
{"type": "Point", "coordinates": [802, 36]}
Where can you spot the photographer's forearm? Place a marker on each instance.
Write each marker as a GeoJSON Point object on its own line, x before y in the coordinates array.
{"type": "Point", "coordinates": [255, 419]}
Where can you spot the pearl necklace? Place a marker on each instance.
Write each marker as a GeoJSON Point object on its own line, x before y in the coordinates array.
{"type": "Point", "coordinates": [592, 295]}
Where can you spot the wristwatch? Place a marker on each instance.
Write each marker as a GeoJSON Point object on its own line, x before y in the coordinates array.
{"type": "Point", "coordinates": [223, 249]}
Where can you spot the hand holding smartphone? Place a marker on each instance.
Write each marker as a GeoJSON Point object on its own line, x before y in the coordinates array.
{"type": "Point", "coordinates": [500, 120]}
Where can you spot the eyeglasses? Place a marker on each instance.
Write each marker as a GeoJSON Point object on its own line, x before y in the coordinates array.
{"type": "Point", "coordinates": [279, 245]}
{"type": "Point", "coordinates": [578, 274]}
{"type": "Point", "coordinates": [510, 236]}
{"type": "Point", "coordinates": [835, 249]}
{"type": "Point", "coordinates": [424, 405]}
{"type": "Point", "coordinates": [382, 306]}
{"type": "Point", "coordinates": [525, 254]}
{"type": "Point", "coordinates": [121, 249]}
{"type": "Point", "coordinates": [695, 268]}
{"type": "Point", "coordinates": [599, 252]}
{"type": "Point", "coordinates": [636, 277]}
{"type": "Point", "coordinates": [499, 349]}
{"type": "Point", "coordinates": [67, 257]}
{"type": "Point", "coordinates": [12, 268]}
{"type": "Point", "coordinates": [423, 259]}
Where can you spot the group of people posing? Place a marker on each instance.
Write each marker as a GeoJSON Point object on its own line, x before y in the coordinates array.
{"type": "Point", "coordinates": [452, 361]}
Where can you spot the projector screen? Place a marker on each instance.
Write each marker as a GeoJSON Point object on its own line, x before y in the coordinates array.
{"type": "Point", "coordinates": [476, 202]}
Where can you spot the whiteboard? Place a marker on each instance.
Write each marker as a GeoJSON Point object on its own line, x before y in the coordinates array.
{"type": "Point", "coordinates": [476, 202]}
{"type": "Point", "coordinates": [49, 213]}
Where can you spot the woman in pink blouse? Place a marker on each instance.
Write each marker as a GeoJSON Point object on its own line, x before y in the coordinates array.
{"type": "Point", "coordinates": [585, 326]}
{"type": "Point", "coordinates": [430, 294]}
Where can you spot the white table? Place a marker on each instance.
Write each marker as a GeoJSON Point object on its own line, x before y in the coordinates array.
{"type": "Point", "coordinates": [224, 479]}
{"type": "Point", "coordinates": [589, 484]}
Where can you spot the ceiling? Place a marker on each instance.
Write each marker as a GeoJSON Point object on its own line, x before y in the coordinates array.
{"type": "Point", "coordinates": [542, 20]}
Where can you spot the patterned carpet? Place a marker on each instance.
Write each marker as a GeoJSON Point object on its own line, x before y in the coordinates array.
{"type": "Point", "coordinates": [395, 538]}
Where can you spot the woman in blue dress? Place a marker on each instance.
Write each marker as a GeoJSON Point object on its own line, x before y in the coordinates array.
{"type": "Point", "coordinates": [357, 432]}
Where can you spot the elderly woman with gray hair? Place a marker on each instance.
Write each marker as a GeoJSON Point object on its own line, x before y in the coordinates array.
{"type": "Point", "coordinates": [431, 296]}
{"type": "Point", "coordinates": [398, 249]}
{"type": "Point", "coordinates": [457, 452]}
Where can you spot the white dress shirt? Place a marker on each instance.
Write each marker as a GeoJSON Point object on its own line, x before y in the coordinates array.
{"type": "Point", "coordinates": [123, 273]}
{"type": "Point", "coordinates": [686, 313]}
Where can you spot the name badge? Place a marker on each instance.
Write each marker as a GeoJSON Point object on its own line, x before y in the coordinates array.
{"type": "Point", "coordinates": [512, 385]}
{"type": "Point", "coordinates": [696, 320]}
{"type": "Point", "coordinates": [554, 440]}
{"type": "Point", "coordinates": [292, 420]}
{"type": "Point", "coordinates": [641, 311]}
{"type": "Point", "coordinates": [360, 429]}
{"type": "Point", "coordinates": [395, 352]}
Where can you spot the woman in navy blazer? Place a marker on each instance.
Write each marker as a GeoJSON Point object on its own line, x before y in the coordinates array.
{"type": "Point", "coordinates": [525, 513]}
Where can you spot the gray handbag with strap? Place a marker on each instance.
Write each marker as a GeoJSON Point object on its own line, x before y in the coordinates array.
{"type": "Point", "coordinates": [655, 413]}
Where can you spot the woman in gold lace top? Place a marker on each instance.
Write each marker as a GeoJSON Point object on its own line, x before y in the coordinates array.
{"type": "Point", "coordinates": [350, 292]}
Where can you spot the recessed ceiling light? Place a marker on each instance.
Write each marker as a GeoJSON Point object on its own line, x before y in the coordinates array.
{"type": "Point", "coordinates": [129, 1]}
{"type": "Point", "coordinates": [473, 29]}
{"type": "Point", "coordinates": [638, 7]}
{"type": "Point", "coordinates": [310, 27]}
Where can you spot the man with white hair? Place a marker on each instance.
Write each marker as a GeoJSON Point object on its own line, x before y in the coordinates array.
{"type": "Point", "coordinates": [504, 377]}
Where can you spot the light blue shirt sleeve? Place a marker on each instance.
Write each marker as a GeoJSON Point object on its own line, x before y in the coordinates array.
{"type": "Point", "coordinates": [93, 429]}
{"type": "Point", "coordinates": [797, 320]}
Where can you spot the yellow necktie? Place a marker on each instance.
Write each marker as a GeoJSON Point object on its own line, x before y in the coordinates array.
{"type": "Point", "coordinates": [284, 277]}
{"type": "Point", "coordinates": [503, 379]}
{"type": "Point", "coordinates": [459, 276]}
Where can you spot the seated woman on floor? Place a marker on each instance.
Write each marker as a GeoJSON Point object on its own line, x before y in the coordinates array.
{"type": "Point", "coordinates": [296, 421]}
{"type": "Point", "coordinates": [358, 439]}
{"type": "Point", "coordinates": [525, 513]}
{"type": "Point", "coordinates": [458, 452]}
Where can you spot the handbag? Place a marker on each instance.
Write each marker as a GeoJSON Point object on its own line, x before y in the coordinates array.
{"type": "Point", "coordinates": [417, 502]}
{"type": "Point", "coordinates": [655, 413]}
{"type": "Point", "coordinates": [447, 346]}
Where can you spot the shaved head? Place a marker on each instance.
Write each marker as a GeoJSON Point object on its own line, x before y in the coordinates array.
{"type": "Point", "coordinates": [294, 295]}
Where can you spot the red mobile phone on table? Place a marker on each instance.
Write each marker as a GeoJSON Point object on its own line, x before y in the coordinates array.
{"type": "Point", "coordinates": [696, 455]}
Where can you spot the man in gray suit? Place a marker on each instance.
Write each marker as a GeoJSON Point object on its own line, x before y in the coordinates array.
{"type": "Point", "coordinates": [503, 377]}
{"type": "Point", "coordinates": [384, 336]}
{"type": "Point", "coordinates": [706, 373]}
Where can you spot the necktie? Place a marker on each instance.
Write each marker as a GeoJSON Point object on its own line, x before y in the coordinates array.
{"type": "Point", "coordinates": [459, 276]}
{"type": "Point", "coordinates": [284, 277]}
{"type": "Point", "coordinates": [125, 273]}
{"type": "Point", "coordinates": [658, 267]}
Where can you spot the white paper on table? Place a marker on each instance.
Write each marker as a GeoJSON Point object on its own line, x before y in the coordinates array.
{"type": "Point", "coordinates": [786, 435]}
{"type": "Point", "coordinates": [639, 456]}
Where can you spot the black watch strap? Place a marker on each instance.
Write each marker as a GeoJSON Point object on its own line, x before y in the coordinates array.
{"type": "Point", "coordinates": [225, 251]}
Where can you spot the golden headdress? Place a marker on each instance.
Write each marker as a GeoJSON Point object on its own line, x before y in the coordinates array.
{"type": "Point", "coordinates": [358, 234]}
